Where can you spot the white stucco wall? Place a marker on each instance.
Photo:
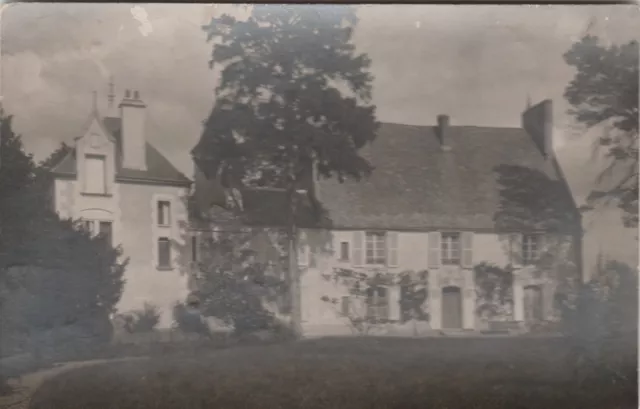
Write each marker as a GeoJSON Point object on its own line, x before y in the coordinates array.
{"type": "Point", "coordinates": [322, 318]}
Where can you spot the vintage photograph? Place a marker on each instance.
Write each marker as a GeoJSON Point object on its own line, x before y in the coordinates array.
{"type": "Point", "coordinates": [318, 206]}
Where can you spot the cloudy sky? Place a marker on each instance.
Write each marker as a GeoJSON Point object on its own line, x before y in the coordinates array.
{"type": "Point", "coordinates": [475, 63]}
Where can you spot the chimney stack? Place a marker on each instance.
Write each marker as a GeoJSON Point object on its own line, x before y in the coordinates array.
{"type": "Point", "coordinates": [538, 122]}
{"type": "Point", "coordinates": [132, 115]}
{"type": "Point", "coordinates": [443, 130]}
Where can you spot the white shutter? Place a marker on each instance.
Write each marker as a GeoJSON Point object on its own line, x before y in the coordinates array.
{"type": "Point", "coordinates": [358, 250]}
{"type": "Point", "coordinates": [467, 249]}
{"type": "Point", "coordinates": [392, 249]}
{"type": "Point", "coordinates": [434, 249]}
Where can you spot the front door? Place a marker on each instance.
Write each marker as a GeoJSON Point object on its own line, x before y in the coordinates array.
{"type": "Point", "coordinates": [533, 304]}
{"type": "Point", "coordinates": [451, 308]}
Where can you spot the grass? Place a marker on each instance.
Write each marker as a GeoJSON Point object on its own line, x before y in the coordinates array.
{"type": "Point", "coordinates": [350, 373]}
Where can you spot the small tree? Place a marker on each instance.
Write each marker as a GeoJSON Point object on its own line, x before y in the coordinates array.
{"type": "Point", "coordinates": [292, 97]}
{"type": "Point", "coordinates": [233, 285]}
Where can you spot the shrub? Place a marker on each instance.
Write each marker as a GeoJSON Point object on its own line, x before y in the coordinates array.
{"type": "Point", "coordinates": [144, 320]}
{"type": "Point", "coordinates": [189, 320]}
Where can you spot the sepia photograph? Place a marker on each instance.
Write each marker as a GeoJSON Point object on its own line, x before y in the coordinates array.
{"type": "Point", "coordinates": [306, 206]}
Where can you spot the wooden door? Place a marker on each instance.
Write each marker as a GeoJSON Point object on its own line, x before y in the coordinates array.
{"type": "Point", "coordinates": [451, 308]}
{"type": "Point", "coordinates": [533, 306]}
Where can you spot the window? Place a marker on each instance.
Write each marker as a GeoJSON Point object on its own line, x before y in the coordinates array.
{"type": "Point", "coordinates": [344, 251]}
{"type": "Point", "coordinates": [530, 248]}
{"type": "Point", "coordinates": [376, 246]}
{"type": "Point", "coordinates": [106, 232]}
{"type": "Point", "coordinates": [95, 174]}
{"type": "Point", "coordinates": [194, 248]}
{"type": "Point", "coordinates": [450, 248]}
{"type": "Point", "coordinates": [164, 253]}
{"type": "Point", "coordinates": [377, 304]}
{"type": "Point", "coordinates": [164, 213]}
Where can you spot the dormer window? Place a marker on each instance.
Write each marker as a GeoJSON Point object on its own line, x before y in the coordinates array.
{"type": "Point", "coordinates": [95, 174]}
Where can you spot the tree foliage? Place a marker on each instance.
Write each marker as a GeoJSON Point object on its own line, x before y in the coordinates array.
{"type": "Point", "coordinates": [280, 103]}
{"type": "Point", "coordinates": [234, 286]}
{"type": "Point", "coordinates": [294, 97]}
{"type": "Point", "coordinates": [494, 290]}
{"type": "Point", "coordinates": [604, 91]}
{"type": "Point", "coordinates": [53, 275]}
{"type": "Point", "coordinates": [356, 285]}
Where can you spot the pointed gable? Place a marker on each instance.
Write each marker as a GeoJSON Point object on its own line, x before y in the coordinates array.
{"type": "Point", "coordinates": [159, 169]}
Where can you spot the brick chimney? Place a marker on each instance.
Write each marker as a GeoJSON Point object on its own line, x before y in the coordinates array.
{"type": "Point", "coordinates": [132, 114]}
{"type": "Point", "coordinates": [443, 130]}
{"type": "Point", "coordinates": [537, 120]}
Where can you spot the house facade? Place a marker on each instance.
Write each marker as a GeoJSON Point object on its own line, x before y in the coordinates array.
{"type": "Point", "coordinates": [441, 201]}
{"type": "Point", "coordinates": [122, 188]}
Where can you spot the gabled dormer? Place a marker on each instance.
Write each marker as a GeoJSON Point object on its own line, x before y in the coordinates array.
{"type": "Point", "coordinates": [96, 158]}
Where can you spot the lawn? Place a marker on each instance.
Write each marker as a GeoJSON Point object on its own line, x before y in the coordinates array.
{"type": "Point", "coordinates": [343, 373]}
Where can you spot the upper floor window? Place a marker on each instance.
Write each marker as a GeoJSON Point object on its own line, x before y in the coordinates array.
{"type": "Point", "coordinates": [376, 248]}
{"type": "Point", "coordinates": [344, 251]}
{"type": "Point", "coordinates": [530, 248]}
{"type": "Point", "coordinates": [450, 248]}
{"type": "Point", "coordinates": [164, 213]}
{"type": "Point", "coordinates": [95, 174]}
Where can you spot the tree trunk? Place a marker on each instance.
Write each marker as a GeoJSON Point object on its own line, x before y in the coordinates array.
{"type": "Point", "coordinates": [294, 283]}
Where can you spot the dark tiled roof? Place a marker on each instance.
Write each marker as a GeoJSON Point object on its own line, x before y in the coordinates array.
{"type": "Point", "coordinates": [159, 169]}
{"type": "Point", "coordinates": [492, 178]}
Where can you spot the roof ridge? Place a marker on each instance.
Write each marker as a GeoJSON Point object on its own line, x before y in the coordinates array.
{"type": "Point", "coordinates": [454, 126]}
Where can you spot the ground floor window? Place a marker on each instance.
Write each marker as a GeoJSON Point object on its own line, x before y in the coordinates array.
{"type": "Point", "coordinates": [377, 303]}
{"type": "Point", "coordinates": [99, 228]}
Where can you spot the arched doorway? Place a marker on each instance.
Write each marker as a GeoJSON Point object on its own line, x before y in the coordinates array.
{"type": "Point", "coordinates": [451, 308]}
{"type": "Point", "coordinates": [533, 304]}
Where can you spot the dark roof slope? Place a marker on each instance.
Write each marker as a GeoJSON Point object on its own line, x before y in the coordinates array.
{"type": "Point", "coordinates": [159, 169]}
{"type": "Point", "coordinates": [492, 178]}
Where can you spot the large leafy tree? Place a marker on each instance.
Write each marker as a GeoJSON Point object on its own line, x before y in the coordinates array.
{"type": "Point", "coordinates": [294, 96]}
{"type": "Point", "coordinates": [53, 276]}
{"type": "Point", "coordinates": [604, 92]}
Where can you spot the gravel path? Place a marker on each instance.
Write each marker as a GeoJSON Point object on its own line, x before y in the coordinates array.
{"type": "Point", "coordinates": [29, 383]}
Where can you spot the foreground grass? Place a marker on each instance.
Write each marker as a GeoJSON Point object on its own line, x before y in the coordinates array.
{"type": "Point", "coordinates": [343, 374]}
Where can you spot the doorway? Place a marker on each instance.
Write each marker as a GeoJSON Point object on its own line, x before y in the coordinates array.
{"type": "Point", "coordinates": [451, 308]}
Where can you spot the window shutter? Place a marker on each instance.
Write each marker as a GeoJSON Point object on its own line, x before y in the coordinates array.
{"type": "Point", "coordinates": [467, 249]}
{"type": "Point", "coordinates": [392, 249]}
{"type": "Point", "coordinates": [542, 246]}
{"type": "Point", "coordinates": [434, 249]}
{"type": "Point", "coordinates": [358, 252]}
{"type": "Point", "coordinates": [345, 306]}
{"type": "Point", "coordinates": [515, 244]}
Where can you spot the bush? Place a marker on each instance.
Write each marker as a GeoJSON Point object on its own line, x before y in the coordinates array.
{"type": "Point", "coordinates": [189, 320]}
{"type": "Point", "coordinates": [144, 320]}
